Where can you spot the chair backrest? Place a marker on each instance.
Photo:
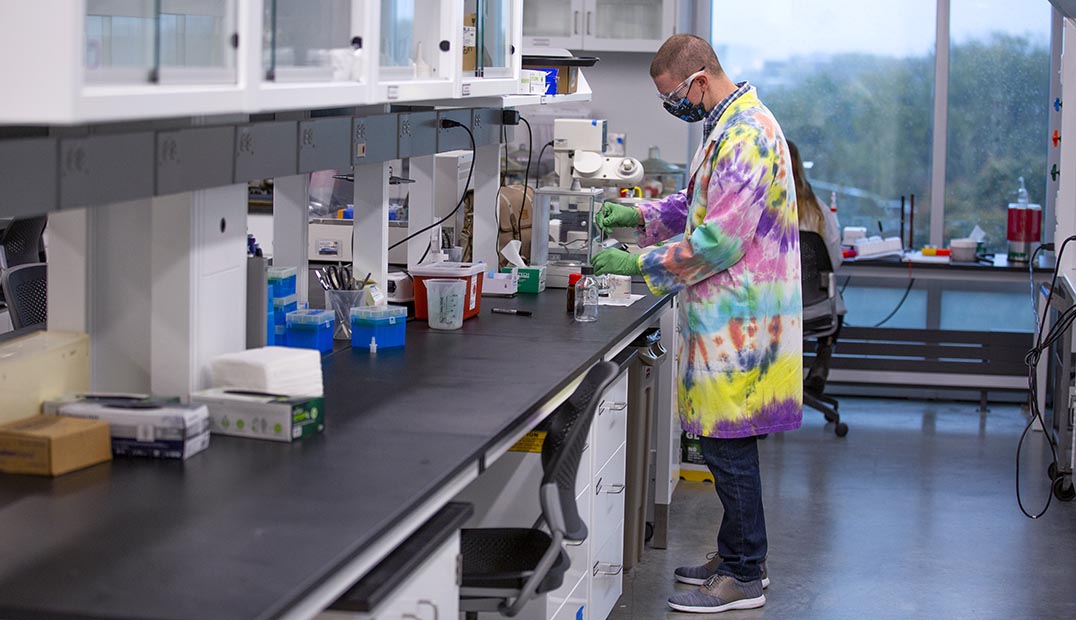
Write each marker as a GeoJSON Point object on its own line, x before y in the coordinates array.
{"type": "Point", "coordinates": [26, 290]}
{"type": "Point", "coordinates": [21, 242]}
{"type": "Point", "coordinates": [565, 441]}
{"type": "Point", "coordinates": [814, 268]}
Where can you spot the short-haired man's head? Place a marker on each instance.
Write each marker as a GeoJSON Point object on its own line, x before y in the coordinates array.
{"type": "Point", "coordinates": [684, 54]}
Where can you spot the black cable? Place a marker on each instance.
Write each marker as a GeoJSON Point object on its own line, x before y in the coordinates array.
{"type": "Point", "coordinates": [1032, 359]}
{"type": "Point", "coordinates": [900, 304]}
{"type": "Point", "coordinates": [538, 164]}
{"type": "Point", "coordinates": [1031, 281]}
{"type": "Point", "coordinates": [447, 123]}
{"type": "Point", "coordinates": [518, 231]}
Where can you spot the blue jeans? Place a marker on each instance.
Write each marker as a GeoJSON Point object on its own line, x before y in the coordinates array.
{"type": "Point", "coordinates": [741, 541]}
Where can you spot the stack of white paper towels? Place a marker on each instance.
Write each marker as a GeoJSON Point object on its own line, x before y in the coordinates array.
{"type": "Point", "coordinates": [273, 370]}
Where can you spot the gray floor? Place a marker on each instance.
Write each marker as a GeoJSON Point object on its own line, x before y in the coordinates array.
{"type": "Point", "coordinates": [912, 515]}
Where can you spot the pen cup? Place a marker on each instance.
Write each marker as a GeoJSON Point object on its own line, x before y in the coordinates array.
{"type": "Point", "coordinates": [341, 303]}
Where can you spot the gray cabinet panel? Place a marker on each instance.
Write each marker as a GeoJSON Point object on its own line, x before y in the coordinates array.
{"type": "Point", "coordinates": [486, 126]}
{"type": "Point", "coordinates": [194, 159]}
{"type": "Point", "coordinates": [325, 144]}
{"type": "Point", "coordinates": [454, 138]}
{"type": "Point", "coordinates": [106, 168]}
{"type": "Point", "coordinates": [28, 177]}
{"type": "Point", "coordinates": [374, 139]}
{"type": "Point", "coordinates": [266, 151]}
{"type": "Point", "coordinates": [418, 134]}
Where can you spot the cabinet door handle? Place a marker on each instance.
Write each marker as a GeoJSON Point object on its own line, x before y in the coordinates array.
{"type": "Point", "coordinates": [607, 569]}
{"type": "Point", "coordinates": [588, 22]}
{"type": "Point", "coordinates": [575, 23]}
{"type": "Point", "coordinates": [433, 606]}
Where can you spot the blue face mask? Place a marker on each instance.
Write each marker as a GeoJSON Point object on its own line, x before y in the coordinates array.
{"type": "Point", "coordinates": [686, 111]}
{"type": "Point", "coordinates": [682, 108]}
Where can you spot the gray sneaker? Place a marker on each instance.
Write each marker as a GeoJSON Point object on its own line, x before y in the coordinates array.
{"type": "Point", "coordinates": [720, 593]}
{"type": "Point", "coordinates": [697, 575]}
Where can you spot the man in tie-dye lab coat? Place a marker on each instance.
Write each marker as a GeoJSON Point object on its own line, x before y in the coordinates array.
{"type": "Point", "coordinates": [737, 269]}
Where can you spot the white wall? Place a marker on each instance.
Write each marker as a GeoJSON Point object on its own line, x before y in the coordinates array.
{"type": "Point", "coordinates": [624, 95]}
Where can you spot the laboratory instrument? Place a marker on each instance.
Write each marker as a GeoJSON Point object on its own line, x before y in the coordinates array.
{"type": "Point", "coordinates": [566, 218]}
{"type": "Point", "coordinates": [579, 147]}
{"type": "Point", "coordinates": [661, 177]}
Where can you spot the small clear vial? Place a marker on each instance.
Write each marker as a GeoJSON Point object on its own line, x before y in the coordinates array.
{"type": "Point", "coordinates": [586, 296]}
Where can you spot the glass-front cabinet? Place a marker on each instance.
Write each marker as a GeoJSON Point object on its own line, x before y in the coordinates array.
{"type": "Point", "coordinates": [417, 58]}
{"type": "Point", "coordinates": [492, 30]}
{"type": "Point", "coordinates": [315, 53]}
{"type": "Point", "coordinates": [160, 42]}
{"type": "Point", "coordinates": [599, 25]}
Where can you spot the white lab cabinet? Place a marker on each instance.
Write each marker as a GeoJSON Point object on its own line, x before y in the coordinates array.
{"type": "Point", "coordinates": [420, 49]}
{"type": "Point", "coordinates": [599, 25]}
{"type": "Point", "coordinates": [492, 59]}
{"type": "Point", "coordinates": [506, 495]}
{"type": "Point", "coordinates": [73, 61]}
{"type": "Point", "coordinates": [316, 53]}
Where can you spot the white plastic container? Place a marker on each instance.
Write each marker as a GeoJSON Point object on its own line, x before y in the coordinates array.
{"type": "Point", "coordinates": [962, 250]}
{"type": "Point", "coordinates": [445, 299]}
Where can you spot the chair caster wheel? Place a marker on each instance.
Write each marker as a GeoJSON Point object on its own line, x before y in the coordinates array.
{"type": "Point", "coordinates": [1062, 491]}
{"type": "Point", "coordinates": [841, 430]}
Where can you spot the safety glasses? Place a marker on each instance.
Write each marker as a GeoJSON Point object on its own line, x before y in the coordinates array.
{"type": "Point", "coordinates": [680, 91]}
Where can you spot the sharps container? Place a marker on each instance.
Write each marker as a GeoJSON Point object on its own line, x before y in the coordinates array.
{"type": "Point", "coordinates": [470, 274]}
{"type": "Point", "coordinates": [384, 325]}
{"type": "Point", "coordinates": [446, 299]}
{"type": "Point", "coordinates": [311, 329]}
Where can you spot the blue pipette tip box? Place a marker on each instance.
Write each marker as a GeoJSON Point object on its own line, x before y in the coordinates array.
{"type": "Point", "coordinates": [387, 325]}
{"type": "Point", "coordinates": [311, 329]}
{"type": "Point", "coordinates": [283, 280]}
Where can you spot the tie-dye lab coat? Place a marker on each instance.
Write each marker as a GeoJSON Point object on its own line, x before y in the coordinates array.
{"type": "Point", "coordinates": [738, 273]}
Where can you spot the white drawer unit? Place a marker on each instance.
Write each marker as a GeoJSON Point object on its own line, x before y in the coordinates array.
{"type": "Point", "coordinates": [611, 422]}
{"type": "Point", "coordinates": [430, 593]}
{"type": "Point", "coordinates": [606, 575]}
{"type": "Point", "coordinates": [607, 493]}
{"type": "Point", "coordinates": [575, 605]}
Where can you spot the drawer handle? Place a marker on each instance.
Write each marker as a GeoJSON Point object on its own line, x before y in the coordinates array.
{"type": "Point", "coordinates": [433, 606]}
{"type": "Point", "coordinates": [611, 570]}
{"type": "Point", "coordinates": [618, 407]}
{"type": "Point", "coordinates": [614, 489]}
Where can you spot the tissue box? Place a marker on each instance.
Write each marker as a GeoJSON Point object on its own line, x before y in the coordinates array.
{"type": "Point", "coordinates": [531, 279]}
{"type": "Point", "coordinates": [52, 445]}
{"type": "Point", "coordinates": [262, 416]}
{"type": "Point", "coordinates": [144, 428]}
{"type": "Point", "coordinates": [501, 284]}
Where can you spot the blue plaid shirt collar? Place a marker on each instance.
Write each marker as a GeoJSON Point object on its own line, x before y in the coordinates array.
{"type": "Point", "coordinates": [715, 114]}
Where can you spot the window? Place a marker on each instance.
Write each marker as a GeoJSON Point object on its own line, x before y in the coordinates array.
{"type": "Point", "coordinates": [852, 86]}
{"type": "Point", "coordinates": [999, 97]}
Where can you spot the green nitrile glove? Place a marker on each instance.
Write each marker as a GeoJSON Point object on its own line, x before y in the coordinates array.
{"type": "Point", "coordinates": [613, 215]}
{"type": "Point", "coordinates": [616, 262]}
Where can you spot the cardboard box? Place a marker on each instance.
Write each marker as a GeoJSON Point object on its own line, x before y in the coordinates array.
{"type": "Point", "coordinates": [470, 41]}
{"type": "Point", "coordinates": [565, 76]}
{"type": "Point", "coordinates": [53, 445]}
{"type": "Point", "coordinates": [262, 416]}
{"type": "Point", "coordinates": [147, 428]}
{"type": "Point", "coordinates": [41, 366]}
{"type": "Point", "coordinates": [531, 279]}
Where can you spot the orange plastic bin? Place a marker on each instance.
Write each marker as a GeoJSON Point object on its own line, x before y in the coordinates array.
{"type": "Point", "coordinates": [471, 273]}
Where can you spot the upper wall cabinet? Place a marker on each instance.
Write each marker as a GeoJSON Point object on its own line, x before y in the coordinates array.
{"type": "Point", "coordinates": [68, 61]}
{"type": "Point", "coordinates": [492, 53]}
{"type": "Point", "coordinates": [316, 53]}
{"type": "Point", "coordinates": [599, 25]}
{"type": "Point", "coordinates": [419, 49]}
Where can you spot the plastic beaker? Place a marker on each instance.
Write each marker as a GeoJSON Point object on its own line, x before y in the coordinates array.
{"type": "Point", "coordinates": [341, 303]}
{"type": "Point", "coordinates": [445, 299]}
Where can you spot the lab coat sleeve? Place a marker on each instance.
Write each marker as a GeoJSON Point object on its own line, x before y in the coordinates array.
{"type": "Point", "coordinates": [737, 191]}
{"type": "Point", "coordinates": [662, 219]}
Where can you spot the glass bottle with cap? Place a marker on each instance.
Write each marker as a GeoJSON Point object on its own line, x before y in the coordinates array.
{"type": "Point", "coordinates": [586, 296]}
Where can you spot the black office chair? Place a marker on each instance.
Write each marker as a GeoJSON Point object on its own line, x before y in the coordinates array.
{"type": "Point", "coordinates": [20, 243]}
{"type": "Point", "coordinates": [504, 568]}
{"type": "Point", "coordinates": [26, 288]}
{"type": "Point", "coordinates": [821, 314]}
